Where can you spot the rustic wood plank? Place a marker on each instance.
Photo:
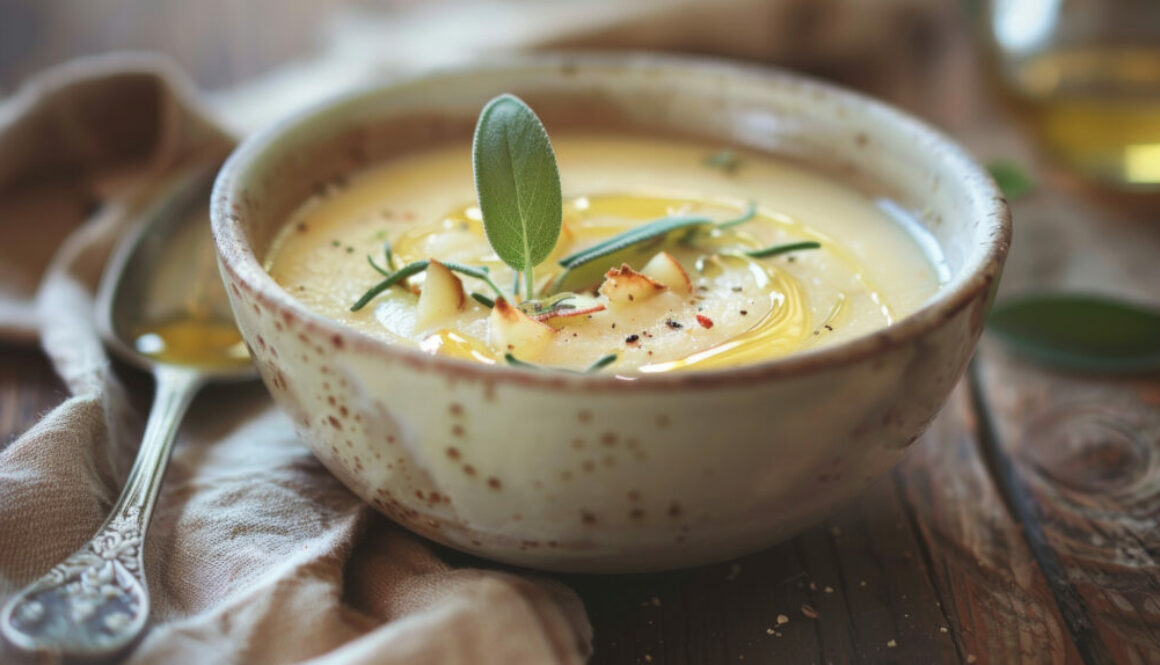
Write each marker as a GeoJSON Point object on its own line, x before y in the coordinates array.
{"type": "Point", "coordinates": [997, 601]}
{"type": "Point", "coordinates": [853, 590]}
{"type": "Point", "coordinates": [1088, 453]}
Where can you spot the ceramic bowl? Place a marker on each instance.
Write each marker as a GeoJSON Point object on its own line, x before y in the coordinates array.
{"type": "Point", "coordinates": [596, 473]}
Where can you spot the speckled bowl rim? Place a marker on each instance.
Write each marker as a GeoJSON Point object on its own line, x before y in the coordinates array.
{"type": "Point", "coordinates": [976, 278]}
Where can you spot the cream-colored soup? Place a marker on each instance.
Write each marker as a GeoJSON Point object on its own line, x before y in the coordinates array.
{"type": "Point", "coordinates": [869, 271]}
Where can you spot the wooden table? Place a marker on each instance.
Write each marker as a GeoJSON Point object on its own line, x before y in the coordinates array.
{"type": "Point", "coordinates": [1040, 546]}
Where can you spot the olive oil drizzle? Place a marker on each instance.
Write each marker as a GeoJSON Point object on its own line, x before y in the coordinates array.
{"type": "Point", "coordinates": [782, 320]}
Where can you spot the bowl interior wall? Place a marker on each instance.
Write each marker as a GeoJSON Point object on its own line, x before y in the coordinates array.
{"type": "Point", "coordinates": [842, 135]}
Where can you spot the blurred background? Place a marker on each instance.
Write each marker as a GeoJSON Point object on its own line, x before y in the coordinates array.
{"type": "Point", "coordinates": [256, 55]}
{"type": "Point", "coordinates": [1084, 75]}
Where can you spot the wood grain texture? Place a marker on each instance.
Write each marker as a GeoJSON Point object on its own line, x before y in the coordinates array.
{"type": "Point", "coordinates": [855, 589]}
{"type": "Point", "coordinates": [1088, 451]}
{"type": "Point", "coordinates": [998, 602]}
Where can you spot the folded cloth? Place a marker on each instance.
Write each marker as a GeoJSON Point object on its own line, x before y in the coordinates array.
{"type": "Point", "coordinates": [256, 553]}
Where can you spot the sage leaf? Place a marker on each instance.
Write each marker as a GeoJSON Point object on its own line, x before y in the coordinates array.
{"type": "Point", "coordinates": [517, 184]}
{"type": "Point", "coordinates": [1012, 180]}
{"type": "Point", "coordinates": [1080, 332]}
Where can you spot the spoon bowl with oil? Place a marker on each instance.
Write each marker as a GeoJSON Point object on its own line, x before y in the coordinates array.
{"type": "Point", "coordinates": [161, 306]}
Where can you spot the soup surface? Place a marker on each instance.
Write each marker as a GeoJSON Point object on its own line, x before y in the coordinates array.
{"type": "Point", "coordinates": [734, 308]}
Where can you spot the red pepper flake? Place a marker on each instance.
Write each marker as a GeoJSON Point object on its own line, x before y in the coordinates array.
{"type": "Point", "coordinates": [705, 321]}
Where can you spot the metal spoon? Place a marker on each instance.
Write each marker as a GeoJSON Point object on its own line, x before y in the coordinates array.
{"type": "Point", "coordinates": [162, 307]}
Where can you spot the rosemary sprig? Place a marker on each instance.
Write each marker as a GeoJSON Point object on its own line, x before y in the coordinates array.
{"type": "Point", "coordinates": [549, 306]}
{"type": "Point", "coordinates": [480, 273]}
{"type": "Point", "coordinates": [633, 236]}
{"type": "Point", "coordinates": [389, 256]}
{"type": "Point", "coordinates": [601, 363]}
{"type": "Point", "coordinates": [379, 269]}
{"type": "Point", "coordinates": [726, 160]}
{"type": "Point", "coordinates": [393, 278]}
{"type": "Point", "coordinates": [782, 249]}
{"type": "Point", "coordinates": [516, 362]}
{"type": "Point", "coordinates": [750, 213]}
{"type": "Point", "coordinates": [389, 260]}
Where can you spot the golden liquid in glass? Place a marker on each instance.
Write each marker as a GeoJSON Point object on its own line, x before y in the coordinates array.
{"type": "Point", "coordinates": [1097, 110]}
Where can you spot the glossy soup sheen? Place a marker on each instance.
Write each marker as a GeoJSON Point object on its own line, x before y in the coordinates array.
{"type": "Point", "coordinates": [870, 271]}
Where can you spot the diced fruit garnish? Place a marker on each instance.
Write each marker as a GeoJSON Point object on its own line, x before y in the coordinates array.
{"type": "Point", "coordinates": [623, 286]}
{"type": "Point", "coordinates": [441, 296]}
{"type": "Point", "coordinates": [510, 330]}
{"type": "Point", "coordinates": [663, 268]}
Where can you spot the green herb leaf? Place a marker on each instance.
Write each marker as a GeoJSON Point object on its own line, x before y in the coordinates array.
{"type": "Point", "coordinates": [1080, 332]}
{"type": "Point", "coordinates": [391, 280]}
{"type": "Point", "coordinates": [548, 306]}
{"type": "Point", "coordinates": [726, 160]}
{"type": "Point", "coordinates": [782, 249]}
{"type": "Point", "coordinates": [379, 269]}
{"type": "Point", "coordinates": [483, 300]}
{"type": "Point", "coordinates": [601, 363]}
{"type": "Point", "coordinates": [516, 362]}
{"type": "Point", "coordinates": [389, 256]}
{"type": "Point", "coordinates": [1013, 181]}
{"type": "Point", "coordinates": [630, 238]}
{"type": "Point", "coordinates": [750, 213]}
{"type": "Point", "coordinates": [518, 184]}
{"type": "Point", "coordinates": [478, 273]}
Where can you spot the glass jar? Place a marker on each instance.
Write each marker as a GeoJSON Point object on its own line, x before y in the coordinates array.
{"type": "Point", "coordinates": [1085, 75]}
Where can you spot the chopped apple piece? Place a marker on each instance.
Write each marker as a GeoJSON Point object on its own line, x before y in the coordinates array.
{"type": "Point", "coordinates": [442, 296]}
{"type": "Point", "coordinates": [510, 330]}
{"type": "Point", "coordinates": [624, 285]}
{"type": "Point", "coordinates": [665, 269]}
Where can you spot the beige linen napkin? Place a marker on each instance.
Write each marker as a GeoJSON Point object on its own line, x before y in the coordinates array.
{"type": "Point", "coordinates": [256, 553]}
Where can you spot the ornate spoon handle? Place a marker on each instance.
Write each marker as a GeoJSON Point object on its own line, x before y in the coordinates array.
{"type": "Point", "coordinates": [95, 603]}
